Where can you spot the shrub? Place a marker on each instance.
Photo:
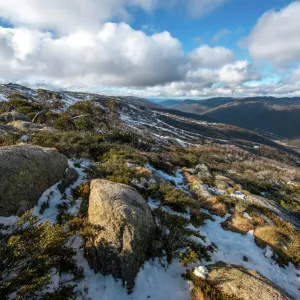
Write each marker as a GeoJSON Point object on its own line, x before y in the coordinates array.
{"type": "Point", "coordinates": [32, 251]}
{"type": "Point", "coordinates": [115, 169]}
{"type": "Point", "coordinates": [8, 139]}
{"type": "Point", "coordinates": [174, 235]}
{"type": "Point", "coordinates": [72, 144]}
{"type": "Point", "coordinates": [64, 122]}
{"type": "Point", "coordinates": [171, 196]}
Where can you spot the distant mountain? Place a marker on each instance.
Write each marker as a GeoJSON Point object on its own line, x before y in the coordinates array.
{"type": "Point", "coordinates": [273, 117]}
{"type": "Point", "coordinates": [168, 103]}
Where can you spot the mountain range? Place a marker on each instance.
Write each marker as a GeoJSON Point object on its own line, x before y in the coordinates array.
{"type": "Point", "coordinates": [275, 117]}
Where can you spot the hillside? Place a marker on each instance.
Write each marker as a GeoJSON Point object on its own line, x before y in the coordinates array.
{"type": "Point", "coordinates": [107, 197]}
{"type": "Point", "coordinates": [266, 115]}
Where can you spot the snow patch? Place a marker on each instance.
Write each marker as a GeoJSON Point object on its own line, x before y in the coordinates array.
{"type": "Point", "coordinates": [201, 272]}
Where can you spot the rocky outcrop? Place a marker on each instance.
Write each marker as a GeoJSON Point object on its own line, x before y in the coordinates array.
{"type": "Point", "coordinates": [30, 127]}
{"type": "Point", "coordinates": [275, 208]}
{"type": "Point", "coordinates": [245, 284]}
{"type": "Point", "coordinates": [124, 229]}
{"type": "Point", "coordinates": [26, 171]}
{"type": "Point", "coordinates": [13, 116]}
{"type": "Point", "coordinates": [203, 171]}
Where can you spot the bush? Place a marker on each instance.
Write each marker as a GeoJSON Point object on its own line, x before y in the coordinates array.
{"type": "Point", "coordinates": [169, 195]}
{"type": "Point", "coordinates": [72, 144]}
{"type": "Point", "coordinates": [174, 235]}
{"type": "Point", "coordinates": [115, 169]}
{"type": "Point", "coordinates": [32, 251]}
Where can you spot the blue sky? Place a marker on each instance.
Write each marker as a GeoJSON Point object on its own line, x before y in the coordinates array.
{"type": "Point", "coordinates": [150, 48]}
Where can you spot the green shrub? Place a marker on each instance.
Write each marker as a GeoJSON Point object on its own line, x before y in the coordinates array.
{"type": "Point", "coordinates": [175, 235]}
{"type": "Point", "coordinates": [72, 144]}
{"type": "Point", "coordinates": [171, 196]}
{"type": "Point", "coordinates": [32, 251]}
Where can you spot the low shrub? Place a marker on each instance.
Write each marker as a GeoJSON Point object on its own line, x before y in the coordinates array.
{"type": "Point", "coordinates": [32, 250]}
{"type": "Point", "coordinates": [175, 235]}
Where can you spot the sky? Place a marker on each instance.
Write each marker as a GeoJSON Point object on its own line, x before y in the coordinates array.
{"type": "Point", "coordinates": [153, 48]}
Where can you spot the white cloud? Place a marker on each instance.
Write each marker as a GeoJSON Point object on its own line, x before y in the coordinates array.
{"type": "Point", "coordinates": [115, 55]}
{"type": "Point", "coordinates": [276, 38]}
{"type": "Point", "coordinates": [205, 56]}
{"type": "Point", "coordinates": [221, 34]}
{"type": "Point", "coordinates": [65, 16]}
{"type": "Point", "coordinates": [200, 8]}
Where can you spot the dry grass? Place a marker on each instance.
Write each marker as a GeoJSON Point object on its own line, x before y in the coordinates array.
{"type": "Point", "coordinates": [237, 223]}
{"type": "Point", "coordinates": [285, 242]}
{"type": "Point", "coordinates": [214, 206]}
{"type": "Point", "coordinates": [192, 179]}
{"type": "Point", "coordinates": [197, 294]}
{"type": "Point", "coordinates": [144, 172]}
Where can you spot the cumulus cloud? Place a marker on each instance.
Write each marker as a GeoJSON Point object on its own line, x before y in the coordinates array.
{"type": "Point", "coordinates": [67, 15]}
{"type": "Point", "coordinates": [116, 55]}
{"type": "Point", "coordinates": [276, 38]}
{"type": "Point", "coordinates": [208, 82]}
{"type": "Point", "coordinates": [205, 56]}
{"type": "Point", "coordinates": [70, 43]}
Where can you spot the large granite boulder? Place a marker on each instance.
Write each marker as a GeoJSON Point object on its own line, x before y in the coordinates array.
{"type": "Point", "coordinates": [13, 116]}
{"type": "Point", "coordinates": [245, 284]}
{"type": "Point", "coordinates": [125, 230]}
{"type": "Point", "coordinates": [26, 171]}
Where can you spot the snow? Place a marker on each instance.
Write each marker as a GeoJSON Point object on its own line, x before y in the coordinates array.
{"type": "Point", "coordinates": [153, 282]}
{"type": "Point", "coordinates": [201, 272]}
{"type": "Point", "coordinates": [8, 221]}
{"type": "Point", "coordinates": [54, 197]}
{"type": "Point", "coordinates": [177, 179]}
{"type": "Point", "coordinates": [246, 215]}
{"type": "Point", "coordinates": [269, 252]}
{"type": "Point", "coordinates": [239, 195]}
{"type": "Point", "coordinates": [213, 190]}
{"type": "Point", "coordinates": [232, 247]}
{"type": "Point", "coordinates": [2, 98]}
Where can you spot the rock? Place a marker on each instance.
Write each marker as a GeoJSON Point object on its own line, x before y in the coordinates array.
{"type": "Point", "coordinates": [125, 230]}
{"type": "Point", "coordinates": [203, 171]}
{"type": "Point", "coordinates": [30, 127]}
{"type": "Point", "coordinates": [26, 171]}
{"type": "Point", "coordinates": [13, 116]}
{"type": "Point", "coordinates": [70, 177]}
{"type": "Point", "coordinates": [7, 129]}
{"type": "Point", "coordinates": [245, 284]}
{"type": "Point", "coordinates": [273, 207]}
